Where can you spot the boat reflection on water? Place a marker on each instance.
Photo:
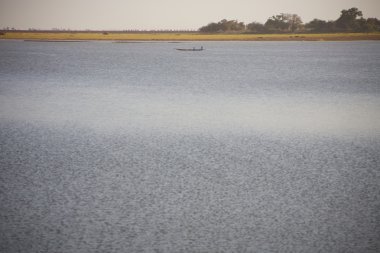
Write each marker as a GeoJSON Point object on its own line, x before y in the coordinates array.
{"type": "Point", "coordinates": [190, 49]}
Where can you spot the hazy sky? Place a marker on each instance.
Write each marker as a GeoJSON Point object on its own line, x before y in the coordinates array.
{"type": "Point", "coordinates": [164, 14]}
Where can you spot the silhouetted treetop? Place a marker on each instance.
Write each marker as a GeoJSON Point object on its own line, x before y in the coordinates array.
{"type": "Point", "coordinates": [224, 26]}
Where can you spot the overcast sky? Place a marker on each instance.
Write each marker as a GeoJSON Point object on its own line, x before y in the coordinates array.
{"type": "Point", "coordinates": [164, 14]}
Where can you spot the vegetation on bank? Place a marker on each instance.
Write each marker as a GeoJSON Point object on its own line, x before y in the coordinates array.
{"type": "Point", "coordinates": [148, 36]}
{"type": "Point", "coordinates": [349, 21]}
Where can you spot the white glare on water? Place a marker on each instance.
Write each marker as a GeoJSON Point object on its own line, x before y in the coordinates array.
{"type": "Point", "coordinates": [107, 109]}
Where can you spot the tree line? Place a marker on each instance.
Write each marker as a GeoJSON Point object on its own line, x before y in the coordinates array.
{"type": "Point", "coordinates": [350, 20]}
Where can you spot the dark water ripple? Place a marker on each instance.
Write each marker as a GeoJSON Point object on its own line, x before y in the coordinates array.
{"type": "Point", "coordinates": [71, 190]}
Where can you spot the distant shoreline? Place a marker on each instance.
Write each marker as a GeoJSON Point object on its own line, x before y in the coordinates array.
{"type": "Point", "coordinates": [152, 36]}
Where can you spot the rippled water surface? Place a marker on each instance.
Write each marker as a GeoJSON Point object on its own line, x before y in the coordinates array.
{"type": "Point", "coordinates": [243, 147]}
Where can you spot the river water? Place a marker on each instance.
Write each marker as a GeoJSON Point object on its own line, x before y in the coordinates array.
{"type": "Point", "coordinates": [137, 147]}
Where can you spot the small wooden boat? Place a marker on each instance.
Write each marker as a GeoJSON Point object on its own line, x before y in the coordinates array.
{"type": "Point", "coordinates": [190, 49]}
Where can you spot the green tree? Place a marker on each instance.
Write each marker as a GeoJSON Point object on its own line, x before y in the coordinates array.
{"type": "Point", "coordinates": [316, 25]}
{"type": "Point", "coordinates": [256, 27]}
{"type": "Point", "coordinates": [348, 20]}
{"type": "Point", "coordinates": [277, 23]}
{"type": "Point", "coordinates": [372, 25]}
{"type": "Point", "coordinates": [320, 26]}
{"type": "Point", "coordinates": [224, 26]}
{"type": "Point", "coordinates": [210, 28]}
{"type": "Point", "coordinates": [295, 22]}
{"type": "Point", "coordinates": [232, 25]}
{"type": "Point", "coordinates": [284, 22]}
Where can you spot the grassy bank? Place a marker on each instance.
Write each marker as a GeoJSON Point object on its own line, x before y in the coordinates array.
{"type": "Point", "coordinates": [187, 36]}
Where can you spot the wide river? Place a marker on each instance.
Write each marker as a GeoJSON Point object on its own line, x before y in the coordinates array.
{"type": "Point", "coordinates": [138, 147]}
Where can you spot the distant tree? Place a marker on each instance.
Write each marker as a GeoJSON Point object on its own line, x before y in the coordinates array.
{"type": "Point", "coordinates": [284, 22]}
{"type": "Point", "coordinates": [277, 23]}
{"type": "Point", "coordinates": [316, 25]}
{"type": "Point", "coordinates": [232, 25]}
{"type": "Point", "coordinates": [367, 25]}
{"type": "Point", "coordinates": [256, 27]}
{"type": "Point", "coordinates": [320, 26]}
{"type": "Point", "coordinates": [224, 26]}
{"type": "Point", "coordinates": [295, 22]}
{"type": "Point", "coordinates": [348, 20]}
{"type": "Point", "coordinates": [372, 25]}
{"type": "Point", "coordinates": [211, 27]}
{"type": "Point", "coordinates": [361, 25]}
